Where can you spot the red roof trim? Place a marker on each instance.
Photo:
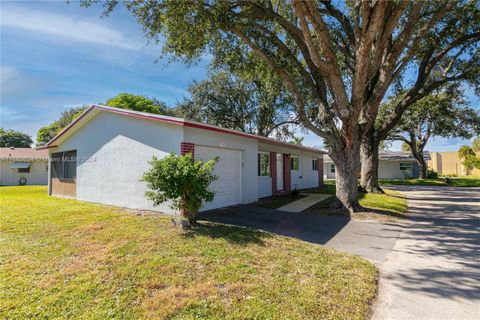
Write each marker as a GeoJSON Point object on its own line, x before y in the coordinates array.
{"type": "Point", "coordinates": [48, 145]}
{"type": "Point", "coordinates": [181, 123]}
{"type": "Point", "coordinates": [251, 136]}
{"type": "Point", "coordinates": [141, 116]}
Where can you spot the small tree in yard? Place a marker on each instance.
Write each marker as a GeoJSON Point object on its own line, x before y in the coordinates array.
{"type": "Point", "coordinates": [469, 158]}
{"type": "Point", "coordinates": [181, 181]}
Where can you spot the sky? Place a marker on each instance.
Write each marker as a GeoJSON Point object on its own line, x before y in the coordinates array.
{"type": "Point", "coordinates": [56, 55]}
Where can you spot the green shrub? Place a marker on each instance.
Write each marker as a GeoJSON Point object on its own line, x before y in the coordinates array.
{"type": "Point", "coordinates": [432, 174]}
{"type": "Point", "coordinates": [407, 174]}
{"type": "Point", "coordinates": [181, 181]}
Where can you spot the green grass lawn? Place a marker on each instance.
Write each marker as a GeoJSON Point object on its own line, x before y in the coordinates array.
{"type": "Point", "coordinates": [452, 182]}
{"type": "Point", "coordinates": [390, 204]}
{"type": "Point", "coordinates": [63, 258]}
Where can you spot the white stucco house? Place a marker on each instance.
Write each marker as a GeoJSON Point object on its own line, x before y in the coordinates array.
{"type": "Point", "coordinates": [23, 166]}
{"type": "Point", "coordinates": [392, 165]}
{"type": "Point", "coordinates": [101, 156]}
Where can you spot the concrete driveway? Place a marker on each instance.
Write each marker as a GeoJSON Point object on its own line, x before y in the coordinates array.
{"type": "Point", "coordinates": [371, 240]}
{"type": "Point", "coordinates": [433, 271]}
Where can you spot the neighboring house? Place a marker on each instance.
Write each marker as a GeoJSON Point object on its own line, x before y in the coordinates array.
{"type": "Point", "coordinates": [23, 166]}
{"type": "Point", "coordinates": [392, 165]}
{"type": "Point", "coordinates": [101, 156]}
{"type": "Point", "coordinates": [448, 163]}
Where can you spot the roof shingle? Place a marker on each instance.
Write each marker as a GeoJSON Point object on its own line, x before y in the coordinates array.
{"type": "Point", "coordinates": [23, 154]}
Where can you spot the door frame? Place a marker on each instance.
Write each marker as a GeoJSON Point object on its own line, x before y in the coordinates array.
{"type": "Point", "coordinates": [280, 171]}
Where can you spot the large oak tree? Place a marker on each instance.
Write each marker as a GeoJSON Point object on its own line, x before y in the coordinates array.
{"type": "Point", "coordinates": [447, 55]}
{"type": "Point", "coordinates": [440, 114]}
{"type": "Point", "coordinates": [248, 106]}
{"type": "Point", "coordinates": [337, 60]}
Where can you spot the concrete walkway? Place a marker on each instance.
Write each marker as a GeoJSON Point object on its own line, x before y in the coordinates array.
{"type": "Point", "coordinates": [305, 202]}
{"type": "Point", "coordinates": [433, 271]}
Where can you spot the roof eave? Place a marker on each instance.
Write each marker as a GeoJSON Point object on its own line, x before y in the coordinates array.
{"type": "Point", "coordinates": [175, 121]}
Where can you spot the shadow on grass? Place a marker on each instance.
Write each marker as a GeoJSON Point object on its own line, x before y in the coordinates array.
{"type": "Point", "coordinates": [332, 207]}
{"type": "Point", "coordinates": [327, 188]}
{"type": "Point", "coordinates": [233, 234]}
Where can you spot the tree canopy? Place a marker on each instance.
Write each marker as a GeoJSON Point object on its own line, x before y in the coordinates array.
{"type": "Point", "coordinates": [46, 133]}
{"type": "Point", "coordinates": [15, 139]}
{"type": "Point", "coordinates": [337, 60]}
{"type": "Point", "coordinates": [138, 103]}
{"type": "Point", "coordinates": [248, 106]}
{"type": "Point", "coordinates": [122, 100]}
{"type": "Point", "coordinates": [442, 114]}
{"type": "Point", "coordinates": [476, 145]}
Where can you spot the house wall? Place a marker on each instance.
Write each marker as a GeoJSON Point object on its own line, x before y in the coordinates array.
{"type": "Point", "coordinates": [309, 177]}
{"type": "Point", "coordinates": [391, 169]}
{"type": "Point", "coordinates": [264, 187]}
{"type": "Point", "coordinates": [327, 170]}
{"type": "Point", "coordinates": [448, 163]}
{"type": "Point", "coordinates": [386, 170]}
{"type": "Point", "coordinates": [113, 152]}
{"type": "Point", "coordinates": [248, 148]}
{"type": "Point", "coordinates": [37, 176]}
{"type": "Point", "coordinates": [305, 177]}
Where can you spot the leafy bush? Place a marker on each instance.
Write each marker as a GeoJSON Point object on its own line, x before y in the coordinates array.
{"type": "Point", "coordinates": [452, 175]}
{"type": "Point", "coordinates": [181, 181]}
{"type": "Point", "coordinates": [432, 174]}
{"type": "Point", "coordinates": [407, 174]}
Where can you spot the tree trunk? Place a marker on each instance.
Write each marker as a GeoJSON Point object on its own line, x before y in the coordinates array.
{"type": "Point", "coordinates": [347, 164]}
{"type": "Point", "coordinates": [369, 164]}
{"type": "Point", "coordinates": [422, 165]}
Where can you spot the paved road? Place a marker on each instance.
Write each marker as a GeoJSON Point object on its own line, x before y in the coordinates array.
{"type": "Point", "coordinates": [371, 240]}
{"type": "Point", "coordinates": [433, 271]}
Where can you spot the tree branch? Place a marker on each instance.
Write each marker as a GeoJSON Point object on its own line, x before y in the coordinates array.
{"type": "Point", "coordinates": [285, 77]}
{"type": "Point", "coordinates": [334, 76]}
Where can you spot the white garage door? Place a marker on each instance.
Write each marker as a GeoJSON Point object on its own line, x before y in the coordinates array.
{"type": "Point", "coordinates": [228, 185]}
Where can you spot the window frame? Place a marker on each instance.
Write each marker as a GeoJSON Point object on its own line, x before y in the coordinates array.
{"type": "Point", "coordinates": [408, 164]}
{"type": "Point", "coordinates": [333, 169]}
{"type": "Point", "coordinates": [292, 163]}
{"type": "Point", "coordinates": [66, 167]}
{"type": "Point", "coordinates": [24, 170]}
{"type": "Point", "coordinates": [314, 164]}
{"type": "Point", "coordinates": [261, 158]}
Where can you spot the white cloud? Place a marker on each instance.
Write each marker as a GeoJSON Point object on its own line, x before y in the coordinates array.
{"type": "Point", "coordinates": [14, 84]}
{"type": "Point", "coordinates": [64, 26]}
{"type": "Point", "coordinates": [7, 73]}
{"type": "Point", "coordinates": [10, 114]}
